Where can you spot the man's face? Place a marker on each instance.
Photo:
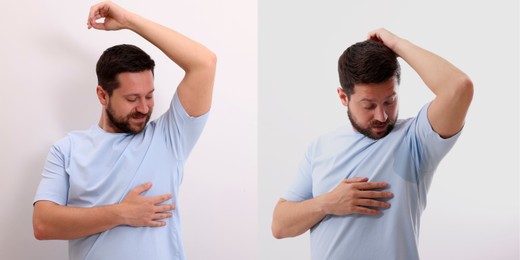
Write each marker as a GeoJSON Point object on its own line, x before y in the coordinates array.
{"type": "Point", "coordinates": [373, 108]}
{"type": "Point", "coordinates": [131, 104]}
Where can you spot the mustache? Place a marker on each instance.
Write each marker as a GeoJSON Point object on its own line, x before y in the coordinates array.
{"type": "Point", "coordinates": [138, 114]}
{"type": "Point", "coordinates": [378, 123]}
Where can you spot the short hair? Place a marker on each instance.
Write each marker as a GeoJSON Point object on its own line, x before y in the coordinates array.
{"type": "Point", "coordinates": [367, 62]}
{"type": "Point", "coordinates": [119, 59]}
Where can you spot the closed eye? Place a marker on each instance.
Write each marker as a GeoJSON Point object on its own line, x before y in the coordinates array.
{"type": "Point", "coordinates": [369, 107]}
{"type": "Point", "coordinates": [389, 103]}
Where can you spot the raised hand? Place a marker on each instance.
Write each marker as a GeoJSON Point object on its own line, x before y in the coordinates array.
{"type": "Point", "coordinates": [115, 17]}
{"type": "Point", "coordinates": [384, 36]}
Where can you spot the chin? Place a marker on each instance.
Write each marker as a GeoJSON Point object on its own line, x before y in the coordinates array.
{"type": "Point", "coordinates": [137, 130]}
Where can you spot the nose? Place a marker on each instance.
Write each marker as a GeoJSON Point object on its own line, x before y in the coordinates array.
{"type": "Point", "coordinates": [380, 114]}
{"type": "Point", "coordinates": [142, 107]}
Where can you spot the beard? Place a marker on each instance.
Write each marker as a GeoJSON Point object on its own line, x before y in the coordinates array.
{"type": "Point", "coordinates": [123, 123]}
{"type": "Point", "coordinates": [369, 131]}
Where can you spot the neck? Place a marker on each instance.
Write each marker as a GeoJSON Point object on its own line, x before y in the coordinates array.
{"type": "Point", "coordinates": [105, 124]}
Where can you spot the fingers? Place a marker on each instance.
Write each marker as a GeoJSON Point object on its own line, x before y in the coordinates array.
{"type": "Point", "coordinates": [369, 206]}
{"type": "Point", "coordinates": [356, 179]}
{"type": "Point", "coordinates": [165, 208]}
{"type": "Point", "coordinates": [98, 11]}
{"type": "Point", "coordinates": [378, 34]}
{"type": "Point", "coordinates": [362, 184]}
{"type": "Point", "coordinates": [367, 201]}
{"type": "Point", "coordinates": [141, 188]}
{"type": "Point", "coordinates": [157, 219]}
{"type": "Point", "coordinates": [161, 215]}
{"type": "Point", "coordinates": [93, 15]}
{"type": "Point", "coordinates": [367, 197]}
{"type": "Point", "coordinates": [370, 185]}
{"type": "Point", "coordinates": [375, 194]}
{"type": "Point", "coordinates": [368, 190]}
{"type": "Point", "coordinates": [384, 36]}
{"type": "Point", "coordinates": [373, 203]}
{"type": "Point", "coordinates": [160, 198]}
{"type": "Point", "coordinates": [113, 17]}
{"type": "Point", "coordinates": [374, 35]}
{"type": "Point", "coordinates": [366, 211]}
{"type": "Point", "coordinates": [161, 212]}
{"type": "Point", "coordinates": [156, 224]}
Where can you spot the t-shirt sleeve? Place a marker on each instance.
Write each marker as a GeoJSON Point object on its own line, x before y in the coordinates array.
{"type": "Point", "coordinates": [181, 130]}
{"type": "Point", "coordinates": [431, 147]}
{"type": "Point", "coordinates": [55, 181]}
{"type": "Point", "coordinates": [428, 149]}
{"type": "Point", "coordinates": [301, 187]}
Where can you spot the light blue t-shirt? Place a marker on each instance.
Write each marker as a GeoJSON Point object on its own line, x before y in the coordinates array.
{"type": "Point", "coordinates": [94, 168]}
{"type": "Point", "coordinates": [406, 159]}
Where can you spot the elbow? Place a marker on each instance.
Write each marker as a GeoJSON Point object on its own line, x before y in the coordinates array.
{"type": "Point", "coordinates": [39, 235]}
{"type": "Point", "coordinates": [280, 231]}
{"type": "Point", "coordinates": [279, 227]}
{"type": "Point", "coordinates": [210, 61]}
{"type": "Point", "coordinates": [206, 65]}
{"type": "Point", "coordinates": [277, 232]}
{"type": "Point", "coordinates": [464, 90]}
{"type": "Point", "coordinates": [39, 230]}
{"type": "Point", "coordinates": [41, 227]}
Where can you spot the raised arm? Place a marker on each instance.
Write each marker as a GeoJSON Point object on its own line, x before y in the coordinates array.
{"type": "Point", "coordinates": [453, 89]}
{"type": "Point", "coordinates": [350, 196]}
{"type": "Point", "coordinates": [196, 88]}
{"type": "Point", "coordinates": [53, 221]}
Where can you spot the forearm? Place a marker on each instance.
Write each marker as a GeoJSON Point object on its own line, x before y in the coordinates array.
{"type": "Point", "coordinates": [438, 74]}
{"type": "Point", "coordinates": [295, 218]}
{"type": "Point", "coordinates": [453, 89]}
{"type": "Point", "coordinates": [53, 221]}
{"type": "Point", "coordinates": [188, 54]}
{"type": "Point", "coordinates": [199, 63]}
{"type": "Point", "coordinates": [350, 196]}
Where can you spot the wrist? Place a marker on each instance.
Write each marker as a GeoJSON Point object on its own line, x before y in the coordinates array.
{"type": "Point", "coordinates": [116, 213]}
{"type": "Point", "coordinates": [322, 206]}
{"type": "Point", "coordinates": [400, 46]}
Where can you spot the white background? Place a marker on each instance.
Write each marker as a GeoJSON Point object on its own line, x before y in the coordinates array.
{"type": "Point", "coordinates": [473, 203]}
{"type": "Point", "coordinates": [47, 65]}
{"type": "Point", "coordinates": [48, 85]}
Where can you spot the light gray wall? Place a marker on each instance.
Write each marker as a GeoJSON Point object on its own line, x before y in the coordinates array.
{"type": "Point", "coordinates": [47, 63]}
{"type": "Point", "coordinates": [473, 203]}
{"type": "Point", "coordinates": [48, 88]}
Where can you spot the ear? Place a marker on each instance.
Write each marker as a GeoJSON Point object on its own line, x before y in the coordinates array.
{"type": "Point", "coordinates": [342, 96]}
{"type": "Point", "coordinates": [102, 96]}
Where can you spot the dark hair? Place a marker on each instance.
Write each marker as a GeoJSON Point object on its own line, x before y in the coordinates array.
{"type": "Point", "coordinates": [118, 59]}
{"type": "Point", "coordinates": [367, 62]}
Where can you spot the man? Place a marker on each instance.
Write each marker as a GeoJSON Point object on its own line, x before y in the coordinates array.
{"type": "Point", "coordinates": [349, 177]}
{"type": "Point", "coordinates": [111, 190]}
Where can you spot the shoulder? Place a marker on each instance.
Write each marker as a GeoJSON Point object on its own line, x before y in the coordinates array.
{"type": "Point", "coordinates": [332, 140]}
{"type": "Point", "coordinates": [419, 120]}
{"type": "Point", "coordinates": [331, 135]}
{"type": "Point", "coordinates": [75, 136]}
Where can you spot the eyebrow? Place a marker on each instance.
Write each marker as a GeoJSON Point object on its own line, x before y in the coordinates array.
{"type": "Point", "coordinates": [371, 100]}
{"type": "Point", "coordinates": [136, 94]}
